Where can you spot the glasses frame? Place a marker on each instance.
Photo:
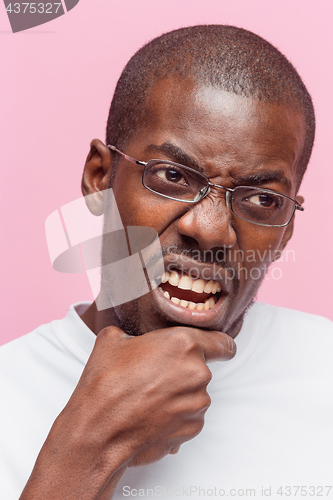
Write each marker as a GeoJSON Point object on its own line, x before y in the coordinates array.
{"type": "Point", "coordinates": [229, 191]}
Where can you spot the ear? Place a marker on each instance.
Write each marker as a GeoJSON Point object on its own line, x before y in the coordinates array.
{"type": "Point", "coordinates": [95, 176]}
{"type": "Point", "coordinates": [288, 232]}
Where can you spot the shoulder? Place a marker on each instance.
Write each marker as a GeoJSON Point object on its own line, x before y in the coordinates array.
{"type": "Point", "coordinates": [41, 335]}
{"type": "Point", "coordinates": [64, 341]}
{"type": "Point", "coordinates": [31, 355]}
{"type": "Point", "coordinates": [68, 335]}
{"type": "Point", "coordinates": [290, 320]}
{"type": "Point", "coordinates": [291, 336]}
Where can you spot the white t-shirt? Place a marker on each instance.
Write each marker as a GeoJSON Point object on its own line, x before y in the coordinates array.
{"type": "Point", "coordinates": [269, 428]}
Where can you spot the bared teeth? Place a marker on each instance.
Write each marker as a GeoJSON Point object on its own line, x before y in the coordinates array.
{"type": "Point", "coordinates": [174, 278]}
{"type": "Point", "coordinates": [208, 304]}
{"type": "Point", "coordinates": [198, 286]}
{"type": "Point", "coordinates": [185, 282]}
{"type": "Point", "coordinates": [165, 277]}
{"type": "Point", "coordinates": [209, 286]}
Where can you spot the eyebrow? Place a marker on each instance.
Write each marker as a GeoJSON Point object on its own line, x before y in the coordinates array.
{"type": "Point", "coordinates": [262, 177]}
{"type": "Point", "coordinates": [175, 154]}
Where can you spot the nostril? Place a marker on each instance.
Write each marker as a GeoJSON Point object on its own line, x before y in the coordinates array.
{"type": "Point", "coordinates": [190, 242]}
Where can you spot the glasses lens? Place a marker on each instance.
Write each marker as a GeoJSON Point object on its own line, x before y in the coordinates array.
{"type": "Point", "coordinates": [174, 181]}
{"type": "Point", "coordinates": [262, 206]}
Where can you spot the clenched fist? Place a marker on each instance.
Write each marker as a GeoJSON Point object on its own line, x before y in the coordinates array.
{"type": "Point", "coordinates": [138, 399]}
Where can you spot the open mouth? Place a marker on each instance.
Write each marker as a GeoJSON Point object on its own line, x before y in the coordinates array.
{"type": "Point", "coordinates": [190, 293]}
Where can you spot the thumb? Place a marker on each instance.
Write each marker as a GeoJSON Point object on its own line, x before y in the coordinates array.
{"type": "Point", "coordinates": [110, 334]}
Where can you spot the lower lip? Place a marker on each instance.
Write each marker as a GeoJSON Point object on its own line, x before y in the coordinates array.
{"type": "Point", "coordinates": [193, 317]}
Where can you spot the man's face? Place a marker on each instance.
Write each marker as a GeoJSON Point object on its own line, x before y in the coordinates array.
{"type": "Point", "coordinates": [234, 141]}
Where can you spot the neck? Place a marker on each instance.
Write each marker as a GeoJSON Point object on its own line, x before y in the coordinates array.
{"type": "Point", "coordinates": [97, 320]}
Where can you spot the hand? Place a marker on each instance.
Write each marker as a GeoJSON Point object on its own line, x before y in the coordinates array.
{"type": "Point", "coordinates": [138, 399]}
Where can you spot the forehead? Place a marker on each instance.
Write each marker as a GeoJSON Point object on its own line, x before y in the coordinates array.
{"type": "Point", "coordinates": [221, 128]}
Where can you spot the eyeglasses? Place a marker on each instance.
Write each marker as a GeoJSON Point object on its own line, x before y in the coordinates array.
{"type": "Point", "coordinates": [253, 204]}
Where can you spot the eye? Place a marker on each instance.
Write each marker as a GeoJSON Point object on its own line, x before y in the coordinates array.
{"type": "Point", "coordinates": [265, 200]}
{"type": "Point", "coordinates": [170, 174]}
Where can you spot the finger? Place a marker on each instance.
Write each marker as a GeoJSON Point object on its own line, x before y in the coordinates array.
{"type": "Point", "coordinates": [212, 345]}
{"type": "Point", "coordinates": [220, 346]}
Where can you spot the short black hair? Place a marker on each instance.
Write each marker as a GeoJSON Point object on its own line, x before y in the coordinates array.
{"type": "Point", "coordinates": [226, 57]}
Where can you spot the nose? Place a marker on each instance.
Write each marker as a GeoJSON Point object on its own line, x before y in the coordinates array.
{"type": "Point", "coordinates": [209, 224]}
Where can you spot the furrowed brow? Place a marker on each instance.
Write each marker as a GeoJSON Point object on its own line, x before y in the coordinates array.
{"type": "Point", "coordinates": [174, 153]}
{"type": "Point", "coordinates": [261, 177]}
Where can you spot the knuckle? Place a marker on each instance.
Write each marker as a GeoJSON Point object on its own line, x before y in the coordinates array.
{"type": "Point", "coordinates": [107, 334]}
{"type": "Point", "coordinates": [103, 335]}
{"type": "Point", "coordinates": [206, 375]}
{"type": "Point", "coordinates": [185, 340]}
{"type": "Point", "coordinates": [206, 401]}
{"type": "Point", "coordinates": [193, 429]}
{"type": "Point", "coordinates": [202, 404]}
{"type": "Point", "coordinates": [198, 374]}
{"type": "Point", "coordinates": [197, 406]}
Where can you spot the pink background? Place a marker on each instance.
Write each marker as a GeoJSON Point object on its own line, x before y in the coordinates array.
{"type": "Point", "coordinates": [56, 85]}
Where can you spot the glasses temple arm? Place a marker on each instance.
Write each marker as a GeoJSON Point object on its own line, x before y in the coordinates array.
{"type": "Point", "coordinates": [129, 158]}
